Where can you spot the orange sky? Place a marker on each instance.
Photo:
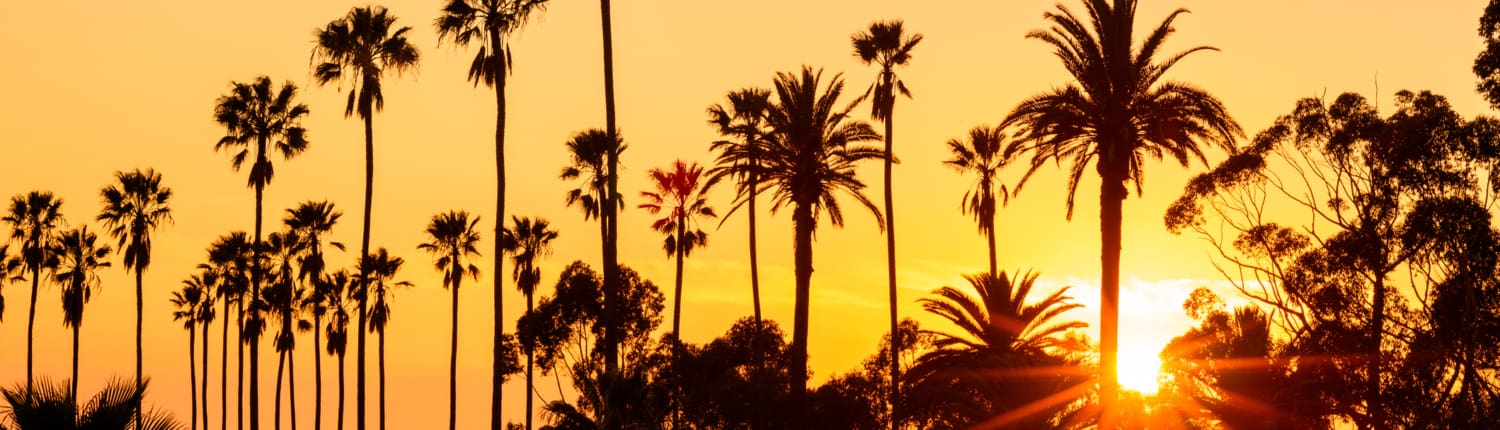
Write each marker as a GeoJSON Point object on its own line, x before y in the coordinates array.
{"type": "Point", "coordinates": [91, 88]}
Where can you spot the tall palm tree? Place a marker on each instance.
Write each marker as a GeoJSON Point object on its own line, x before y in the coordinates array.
{"type": "Point", "coordinates": [337, 288]}
{"type": "Point", "coordinates": [984, 155]}
{"type": "Point", "coordinates": [744, 118]}
{"type": "Point", "coordinates": [229, 258]}
{"type": "Point", "coordinates": [206, 319]}
{"type": "Point", "coordinates": [258, 119]}
{"type": "Point", "coordinates": [282, 250]}
{"type": "Point", "coordinates": [135, 206]}
{"type": "Point", "coordinates": [1120, 112]}
{"type": "Point", "coordinates": [611, 201]}
{"type": "Point", "coordinates": [589, 153]}
{"type": "Point", "coordinates": [682, 191]}
{"type": "Point", "coordinates": [34, 219]}
{"type": "Point", "coordinates": [810, 156]}
{"type": "Point", "coordinates": [312, 221]}
{"type": "Point", "coordinates": [381, 268]}
{"type": "Point", "coordinates": [886, 45]}
{"type": "Point", "coordinates": [80, 257]}
{"type": "Point", "coordinates": [491, 22]}
{"type": "Point", "coordinates": [360, 48]}
{"type": "Point", "coordinates": [527, 241]}
{"type": "Point", "coordinates": [453, 241]}
{"type": "Point", "coordinates": [1000, 329]}
{"type": "Point", "coordinates": [188, 301]}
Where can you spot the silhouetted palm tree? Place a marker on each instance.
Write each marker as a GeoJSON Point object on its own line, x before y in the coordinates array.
{"type": "Point", "coordinates": [1119, 111]}
{"type": "Point", "coordinates": [187, 300]}
{"type": "Point", "coordinates": [34, 219]}
{"type": "Point", "coordinates": [1001, 337]}
{"type": "Point", "coordinates": [490, 22]}
{"type": "Point", "coordinates": [682, 191]}
{"type": "Point", "coordinates": [381, 268]}
{"type": "Point", "coordinates": [984, 155]}
{"type": "Point", "coordinates": [134, 207]}
{"type": "Point", "coordinates": [281, 296]}
{"type": "Point", "coordinates": [50, 407]}
{"type": "Point", "coordinates": [269, 119]}
{"type": "Point", "coordinates": [311, 221]}
{"type": "Point", "coordinates": [360, 48]}
{"type": "Point", "coordinates": [79, 258]}
{"type": "Point", "coordinates": [887, 45]}
{"type": "Point", "coordinates": [588, 151]}
{"type": "Point", "coordinates": [229, 258]}
{"type": "Point", "coordinates": [744, 118]}
{"type": "Point", "coordinates": [338, 288]}
{"type": "Point", "coordinates": [453, 242]}
{"type": "Point", "coordinates": [527, 241]}
{"type": "Point", "coordinates": [612, 202]}
{"type": "Point", "coordinates": [810, 155]}
{"type": "Point", "coordinates": [205, 319]}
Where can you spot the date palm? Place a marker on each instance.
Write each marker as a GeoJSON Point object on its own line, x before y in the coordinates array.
{"type": "Point", "coordinates": [744, 118]}
{"type": "Point", "coordinates": [527, 241]}
{"type": "Point", "coordinates": [79, 258]}
{"type": "Point", "coordinates": [1116, 114]}
{"type": "Point", "coordinates": [381, 268]}
{"type": "Point", "coordinates": [313, 220]}
{"type": "Point", "coordinates": [229, 259]}
{"type": "Point", "coordinates": [983, 155]}
{"type": "Point", "coordinates": [33, 219]}
{"type": "Point", "coordinates": [810, 157]}
{"type": "Point", "coordinates": [336, 285]}
{"type": "Point", "coordinates": [258, 119]}
{"type": "Point", "coordinates": [490, 22]}
{"type": "Point", "coordinates": [454, 242]}
{"type": "Point", "coordinates": [187, 302]}
{"type": "Point", "coordinates": [682, 192]}
{"type": "Point", "coordinates": [360, 48]}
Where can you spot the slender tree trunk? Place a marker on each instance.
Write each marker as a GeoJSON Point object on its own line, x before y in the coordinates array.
{"type": "Point", "coordinates": [382, 378]}
{"type": "Point", "coordinates": [239, 361]}
{"type": "Point", "coordinates": [530, 389]}
{"type": "Point", "coordinates": [890, 264]}
{"type": "Point", "coordinates": [254, 296]}
{"type": "Point", "coordinates": [192, 375]}
{"type": "Point", "coordinates": [1111, 200]}
{"type": "Point", "coordinates": [73, 393]}
{"type": "Point", "coordinates": [280, 366]}
{"type": "Point", "coordinates": [36, 278]}
{"type": "Point", "coordinates": [317, 372]}
{"type": "Point", "coordinates": [204, 392]}
{"type": "Point", "coordinates": [989, 231]}
{"type": "Point", "coordinates": [611, 269]}
{"type": "Point", "coordinates": [224, 370]}
{"type": "Point", "coordinates": [803, 223]}
{"type": "Point", "coordinates": [364, 273]}
{"type": "Point", "coordinates": [453, 362]}
{"type": "Point", "coordinates": [1374, 404]}
{"type": "Point", "coordinates": [291, 387]}
{"type": "Point", "coordinates": [341, 390]}
{"type": "Point", "coordinates": [497, 373]}
{"type": "Point", "coordinates": [139, 309]}
{"type": "Point", "coordinates": [677, 294]}
{"type": "Point", "coordinates": [754, 264]}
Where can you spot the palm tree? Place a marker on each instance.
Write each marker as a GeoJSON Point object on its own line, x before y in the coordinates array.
{"type": "Point", "coordinates": [254, 114]}
{"type": "Point", "coordinates": [50, 407]}
{"type": "Point", "coordinates": [810, 155]}
{"type": "Point", "coordinates": [611, 202]}
{"type": "Point", "coordinates": [453, 239]}
{"type": "Point", "coordinates": [337, 288]}
{"type": "Point", "coordinates": [682, 191]}
{"type": "Point", "coordinates": [744, 118]}
{"type": "Point", "coordinates": [206, 319]}
{"type": "Point", "coordinates": [589, 152]}
{"type": "Point", "coordinates": [527, 241]}
{"type": "Point", "coordinates": [887, 45]}
{"type": "Point", "coordinates": [282, 250]}
{"type": "Point", "coordinates": [33, 219]}
{"type": "Point", "coordinates": [80, 257]}
{"type": "Point", "coordinates": [360, 48]}
{"type": "Point", "coordinates": [984, 155]}
{"type": "Point", "coordinates": [135, 206]}
{"type": "Point", "coordinates": [188, 301]}
{"type": "Point", "coordinates": [490, 22]}
{"type": "Point", "coordinates": [312, 220]}
{"type": "Point", "coordinates": [1119, 111]}
{"type": "Point", "coordinates": [229, 258]}
{"type": "Point", "coordinates": [381, 267]}
{"type": "Point", "coordinates": [1000, 332]}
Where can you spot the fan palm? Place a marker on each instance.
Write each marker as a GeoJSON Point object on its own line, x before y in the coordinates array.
{"type": "Point", "coordinates": [259, 118]}
{"type": "Point", "coordinates": [188, 300]}
{"type": "Point", "coordinates": [744, 118]}
{"type": "Point", "coordinates": [1120, 112]}
{"type": "Point", "coordinates": [527, 241]}
{"type": "Point", "coordinates": [381, 268]}
{"type": "Point", "coordinates": [453, 242]}
{"type": "Point", "coordinates": [490, 22]}
{"type": "Point", "coordinates": [79, 258]}
{"type": "Point", "coordinates": [135, 206]}
{"type": "Point", "coordinates": [312, 221]}
{"type": "Point", "coordinates": [34, 219]}
{"type": "Point", "coordinates": [205, 316]}
{"type": "Point", "coordinates": [50, 407]}
{"type": "Point", "coordinates": [682, 191]}
{"type": "Point", "coordinates": [229, 259]}
{"type": "Point", "coordinates": [281, 296]}
{"type": "Point", "coordinates": [588, 152]}
{"type": "Point", "coordinates": [810, 156]}
{"type": "Point", "coordinates": [984, 155]}
{"type": "Point", "coordinates": [360, 48]}
{"type": "Point", "coordinates": [612, 202]}
{"type": "Point", "coordinates": [336, 286]}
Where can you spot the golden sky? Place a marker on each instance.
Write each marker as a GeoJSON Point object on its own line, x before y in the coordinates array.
{"type": "Point", "coordinates": [88, 88]}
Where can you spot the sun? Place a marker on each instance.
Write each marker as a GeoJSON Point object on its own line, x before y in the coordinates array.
{"type": "Point", "coordinates": [1140, 369]}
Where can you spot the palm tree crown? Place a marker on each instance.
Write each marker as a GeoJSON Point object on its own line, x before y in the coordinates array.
{"type": "Point", "coordinates": [359, 48]}
{"type": "Point", "coordinates": [527, 241]}
{"type": "Point", "coordinates": [489, 22]}
{"type": "Point", "coordinates": [587, 151]}
{"type": "Point", "coordinates": [80, 257]}
{"type": "Point", "coordinates": [984, 154]}
{"type": "Point", "coordinates": [452, 238]}
{"type": "Point", "coordinates": [682, 192]}
{"type": "Point", "coordinates": [256, 114]}
{"type": "Point", "coordinates": [134, 207]}
{"type": "Point", "coordinates": [885, 44]}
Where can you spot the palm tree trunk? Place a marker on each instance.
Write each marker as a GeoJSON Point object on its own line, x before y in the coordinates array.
{"type": "Point", "coordinates": [73, 393]}
{"type": "Point", "coordinates": [239, 361]}
{"type": "Point", "coordinates": [204, 392]}
{"type": "Point", "coordinates": [677, 294]}
{"type": "Point", "coordinates": [611, 272]}
{"type": "Point", "coordinates": [754, 264]}
{"type": "Point", "coordinates": [341, 391]}
{"type": "Point", "coordinates": [497, 373]}
{"type": "Point", "coordinates": [803, 224]}
{"type": "Point", "coordinates": [36, 277]}
{"type": "Point", "coordinates": [364, 273]}
{"type": "Point", "coordinates": [317, 373]}
{"type": "Point", "coordinates": [530, 389]}
{"type": "Point", "coordinates": [1111, 200]}
{"type": "Point", "coordinates": [890, 261]}
{"type": "Point", "coordinates": [255, 295]}
{"type": "Point", "coordinates": [280, 367]}
{"type": "Point", "coordinates": [382, 379]}
{"type": "Point", "coordinates": [224, 370]}
{"type": "Point", "coordinates": [291, 387]}
{"type": "Point", "coordinates": [139, 308]}
{"type": "Point", "coordinates": [453, 363]}
{"type": "Point", "coordinates": [989, 231]}
{"type": "Point", "coordinates": [192, 376]}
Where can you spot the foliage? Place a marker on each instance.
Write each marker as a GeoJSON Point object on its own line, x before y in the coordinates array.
{"type": "Point", "coordinates": [50, 407]}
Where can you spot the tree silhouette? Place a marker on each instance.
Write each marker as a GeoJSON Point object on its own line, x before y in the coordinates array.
{"type": "Point", "coordinates": [257, 119]}
{"type": "Point", "coordinates": [312, 220]}
{"type": "Point", "coordinates": [135, 206]}
{"type": "Point", "coordinates": [611, 203]}
{"type": "Point", "coordinates": [1120, 112]}
{"type": "Point", "coordinates": [79, 258]}
{"type": "Point", "coordinates": [11, 268]}
{"type": "Point", "coordinates": [453, 241]}
{"type": "Point", "coordinates": [338, 289]}
{"type": "Point", "coordinates": [188, 301]}
{"type": "Point", "coordinates": [681, 191]}
{"type": "Point", "coordinates": [229, 259]}
{"type": "Point", "coordinates": [34, 219]}
{"type": "Point", "coordinates": [360, 48]}
{"type": "Point", "coordinates": [984, 155]}
{"type": "Point", "coordinates": [50, 407]}
{"type": "Point", "coordinates": [281, 297]}
{"type": "Point", "coordinates": [743, 118]}
{"type": "Point", "coordinates": [810, 155]}
{"type": "Point", "coordinates": [381, 268]}
{"type": "Point", "coordinates": [527, 241]}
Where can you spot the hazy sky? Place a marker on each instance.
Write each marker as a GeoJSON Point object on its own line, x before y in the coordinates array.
{"type": "Point", "coordinates": [90, 88]}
